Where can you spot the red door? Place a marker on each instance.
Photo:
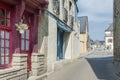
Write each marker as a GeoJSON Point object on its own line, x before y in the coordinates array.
{"type": "Point", "coordinates": [25, 39]}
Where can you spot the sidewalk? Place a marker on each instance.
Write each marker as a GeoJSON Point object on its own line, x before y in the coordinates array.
{"type": "Point", "coordinates": [77, 69]}
{"type": "Point", "coordinates": [59, 65]}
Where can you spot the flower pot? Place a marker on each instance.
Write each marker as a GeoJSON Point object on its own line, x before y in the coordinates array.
{"type": "Point", "coordinates": [21, 31]}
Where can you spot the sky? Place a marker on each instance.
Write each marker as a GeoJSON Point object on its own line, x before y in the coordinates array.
{"type": "Point", "coordinates": [100, 16]}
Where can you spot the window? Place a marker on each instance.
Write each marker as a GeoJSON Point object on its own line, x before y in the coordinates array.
{"type": "Point", "coordinates": [56, 7]}
{"type": "Point", "coordinates": [4, 17]}
{"type": "Point", "coordinates": [25, 37]}
{"type": "Point", "coordinates": [4, 47]}
{"type": "Point", "coordinates": [4, 36]}
{"type": "Point", "coordinates": [70, 5]}
{"type": "Point", "coordinates": [109, 40]}
{"type": "Point", "coordinates": [25, 41]}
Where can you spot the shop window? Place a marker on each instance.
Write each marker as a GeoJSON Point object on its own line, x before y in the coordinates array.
{"type": "Point", "coordinates": [4, 37]}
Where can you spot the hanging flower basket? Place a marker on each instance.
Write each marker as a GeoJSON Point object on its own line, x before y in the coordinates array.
{"type": "Point", "coordinates": [21, 31]}
{"type": "Point", "coordinates": [21, 27]}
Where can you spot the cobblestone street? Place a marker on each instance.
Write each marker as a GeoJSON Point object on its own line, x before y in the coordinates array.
{"type": "Point", "coordinates": [95, 66]}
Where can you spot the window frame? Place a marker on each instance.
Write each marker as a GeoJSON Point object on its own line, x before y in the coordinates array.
{"type": "Point", "coordinates": [6, 29]}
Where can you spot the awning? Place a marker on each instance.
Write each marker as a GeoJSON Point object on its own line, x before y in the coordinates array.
{"type": "Point", "coordinates": [60, 23]}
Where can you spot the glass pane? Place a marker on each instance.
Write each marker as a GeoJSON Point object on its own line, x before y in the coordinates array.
{"type": "Point", "coordinates": [2, 21]}
{"type": "Point", "coordinates": [27, 34]}
{"type": "Point", "coordinates": [2, 12]}
{"type": "Point", "coordinates": [7, 43]}
{"type": "Point", "coordinates": [2, 51]}
{"type": "Point", "coordinates": [7, 60]}
{"type": "Point", "coordinates": [2, 43]}
{"type": "Point", "coordinates": [2, 34]}
{"type": "Point", "coordinates": [2, 60]}
{"type": "Point", "coordinates": [7, 22]}
{"type": "Point", "coordinates": [22, 45]}
{"type": "Point", "coordinates": [27, 45]}
{"type": "Point", "coordinates": [7, 35]}
{"type": "Point", "coordinates": [7, 51]}
{"type": "Point", "coordinates": [22, 35]}
{"type": "Point", "coordinates": [7, 14]}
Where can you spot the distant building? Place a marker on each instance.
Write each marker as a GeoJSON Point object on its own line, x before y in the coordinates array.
{"type": "Point", "coordinates": [98, 44]}
{"type": "Point", "coordinates": [109, 37]}
{"type": "Point", "coordinates": [83, 34]}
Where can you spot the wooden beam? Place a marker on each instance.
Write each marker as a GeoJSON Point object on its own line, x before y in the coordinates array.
{"type": "Point", "coordinates": [20, 7]}
{"type": "Point", "coordinates": [10, 2]}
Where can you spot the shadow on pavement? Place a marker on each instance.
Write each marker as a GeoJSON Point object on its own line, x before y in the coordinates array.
{"type": "Point", "coordinates": [102, 67]}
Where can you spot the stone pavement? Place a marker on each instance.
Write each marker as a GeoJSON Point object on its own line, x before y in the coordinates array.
{"type": "Point", "coordinates": [95, 66]}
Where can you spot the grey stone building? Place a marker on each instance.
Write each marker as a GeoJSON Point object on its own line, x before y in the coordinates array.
{"type": "Point", "coordinates": [116, 31]}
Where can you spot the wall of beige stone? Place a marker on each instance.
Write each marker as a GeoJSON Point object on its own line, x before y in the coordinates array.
{"type": "Point", "coordinates": [52, 44]}
{"type": "Point", "coordinates": [83, 42]}
{"type": "Point", "coordinates": [43, 34]}
{"type": "Point", "coordinates": [38, 67]}
{"type": "Point", "coordinates": [68, 46]}
{"type": "Point", "coordinates": [75, 45]}
{"type": "Point", "coordinates": [19, 69]}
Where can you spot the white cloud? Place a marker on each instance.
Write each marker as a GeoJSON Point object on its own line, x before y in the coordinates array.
{"type": "Point", "coordinates": [96, 10]}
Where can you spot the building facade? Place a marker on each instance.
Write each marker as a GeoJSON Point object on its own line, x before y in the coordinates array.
{"type": "Point", "coordinates": [59, 35]}
{"type": "Point", "coordinates": [109, 37]}
{"type": "Point", "coordinates": [84, 36]}
{"type": "Point", "coordinates": [19, 37]}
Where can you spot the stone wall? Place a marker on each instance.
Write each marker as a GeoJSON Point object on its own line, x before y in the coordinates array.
{"type": "Point", "coordinates": [38, 64]}
{"type": "Point", "coordinates": [116, 31]}
{"type": "Point", "coordinates": [39, 67]}
{"type": "Point", "coordinates": [19, 69]}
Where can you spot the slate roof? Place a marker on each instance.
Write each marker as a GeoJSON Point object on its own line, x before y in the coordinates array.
{"type": "Point", "coordinates": [83, 22]}
{"type": "Point", "coordinates": [110, 28]}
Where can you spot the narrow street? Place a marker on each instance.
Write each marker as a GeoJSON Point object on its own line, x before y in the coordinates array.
{"type": "Point", "coordinates": [95, 66]}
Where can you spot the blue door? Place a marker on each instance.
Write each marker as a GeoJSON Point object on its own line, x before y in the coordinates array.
{"type": "Point", "coordinates": [60, 44]}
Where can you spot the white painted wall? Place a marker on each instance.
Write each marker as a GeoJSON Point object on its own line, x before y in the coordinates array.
{"type": "Point", "coordinates": [109, 43]}
{"type": "Point", "coordinates": [109, 35]}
